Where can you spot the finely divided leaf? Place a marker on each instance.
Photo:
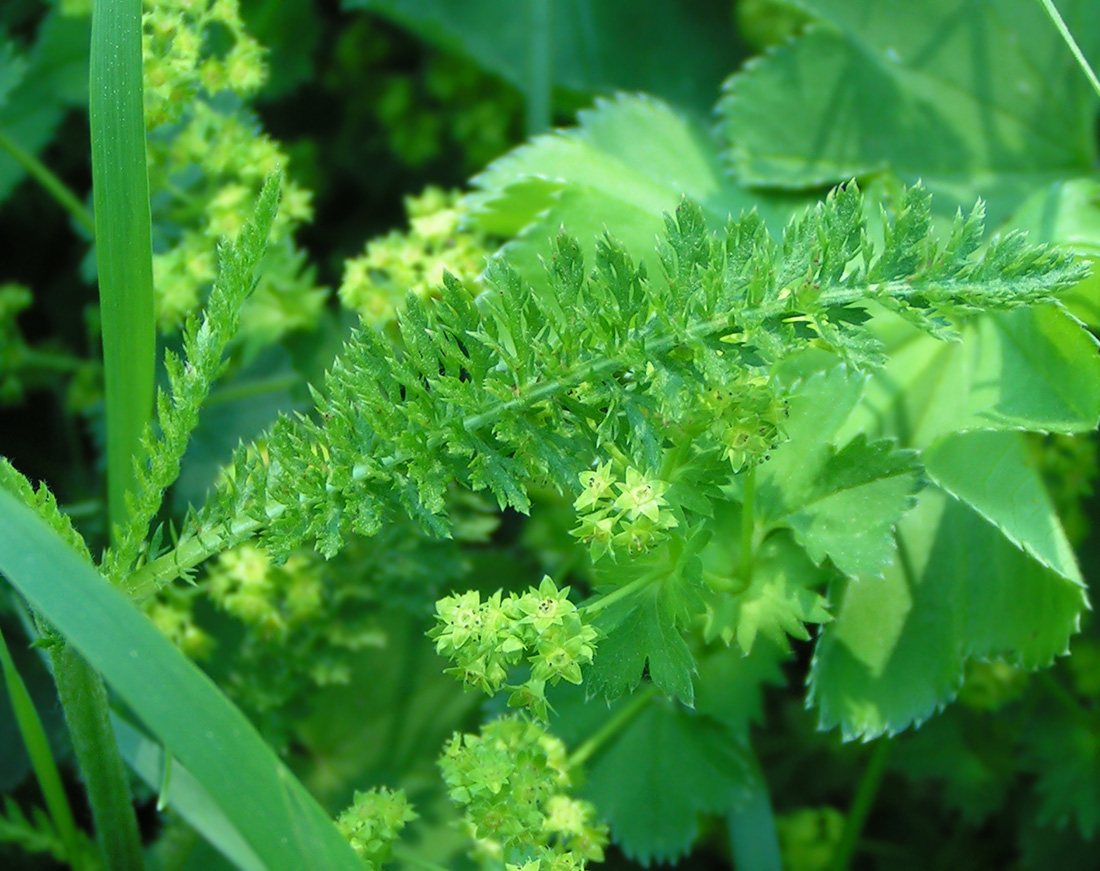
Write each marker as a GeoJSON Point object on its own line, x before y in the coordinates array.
{"type": "Point", "coordinates": [667, 766]}
{"type": "Point", "coordinates": [895, 653]}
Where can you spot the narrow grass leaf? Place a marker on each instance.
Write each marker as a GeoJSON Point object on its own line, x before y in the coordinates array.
{"type": "Point", "coordinates": [124, 253]}
{"type": "Point", "coordinates": [179, 705]}
{"type": "Point", "coordinates": [38, 749]}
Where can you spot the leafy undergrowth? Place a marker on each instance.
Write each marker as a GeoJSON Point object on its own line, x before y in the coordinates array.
{"type": "Point", "coordinates": [696, 488]}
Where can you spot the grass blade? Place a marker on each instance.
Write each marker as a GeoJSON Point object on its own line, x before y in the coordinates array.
{"type": "Point", "coordinates": [38, 749]}
{"type": "Point", "coordinates": [279, 821]}
{"type": "Point", "coordinates": [124, 253]}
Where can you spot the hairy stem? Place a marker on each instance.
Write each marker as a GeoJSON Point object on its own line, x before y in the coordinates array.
{"type": "Point", "coordinates": [861, 805]}
{"type": "Point", "coordinates": [84, 700]}
{"type": "Point", "coordinates": [146, 580]}
{"type": "Point", "coordinates": [54, 186]}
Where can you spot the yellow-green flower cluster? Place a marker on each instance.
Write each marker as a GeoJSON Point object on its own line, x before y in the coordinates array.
{"type": "Point", "coordinates": [274, 599]}
{"type": "Point", "coordinates": [373, 823]}
{"type": "Point", "coordinates": [375, 283]}
{"type": "Point", "coordinates": [747, 420]}
{"type": "Point", "coordinates": [617, 516]}
{"type": "Point", "coordinates": [512, 781]}
{"type": "Point", "coordinates": [486, 640]}
{"type": "Point", "coordinates": [177, 36]}
{"type": "Point", "coordinates": [207, 163]}
{"type": "Point", "coordinates": [172, 613]}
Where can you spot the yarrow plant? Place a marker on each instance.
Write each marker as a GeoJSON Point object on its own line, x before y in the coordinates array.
{"type": "Point", "coordinates": [621, 434]}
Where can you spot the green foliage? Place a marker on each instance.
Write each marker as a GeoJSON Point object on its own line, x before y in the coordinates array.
{"type": "Point", "coordinates": [493, 34]}
{"type": "Point", "coordinates": [666, 767]}
{"type": "Point", "coordinates": [513, 782]}
{"type": "Point", "coordinates": [189, 381]}
{"type": "Point", "coordinates": [850, 95]}
{"type": "Point", "coordinates": [373, 822]}
{"type": "Point", "coordinates": [766, 447]}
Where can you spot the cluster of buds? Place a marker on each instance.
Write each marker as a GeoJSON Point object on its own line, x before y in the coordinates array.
{"type": "Point", "coordinates": [486, 640]}
{"type": "Point", "coordinates": [246, 583]}
{"type": "Point", "coordinates": [512, 782]}
{"type": "Point", "coordinates": [373, 822]}
{"type": "Point", "coordinates": [622, 516]}
{"type": "Point", "coordinates": [178, 63]}
{"type": "Point", "coordinates": [747, 420]}
{"type": "Point", "coordinates": [375, 283]}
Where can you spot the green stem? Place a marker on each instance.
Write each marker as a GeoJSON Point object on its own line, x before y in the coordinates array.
{"type": "Point", "coordinates": [1074, 48]}
{"type": "Point", "coordinates": [748, 526]}
{"type": "Point", "coordinates": [38, 749]}
{"type": "Point", "coordinates": [539, 86]}
{"type": "Point", "coordinates": [146, 580]}
{"type": "Point", "coordinates": [861, 805]}
{"type": "Point", "coordinates": [621, 593]}
{"type": "Point", "coordinates": [84, 700]}
{"type": "Point", "coordinates": [608, 730]}
{"type": "Point", "coordinates": [54, 186]}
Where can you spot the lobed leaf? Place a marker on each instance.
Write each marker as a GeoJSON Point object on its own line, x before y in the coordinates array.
{"type": "Point", "coordinates": [896, 651]}
{"type": "Point", "coordinates": [857, 92]}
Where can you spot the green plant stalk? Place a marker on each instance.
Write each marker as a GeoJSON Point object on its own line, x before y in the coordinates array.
{"type": "Point", "coordinates": [861, 805]}
{"type": "Point", "coordinates": [608, 730]}
{"type": "Point", "coordinates": [1074, 48]}
{"type": "Point", "coordinates": [54, 186]}
{"type": "Point", "coordinates": [38, 749]}
{"type": "Point", "coordinates": [84, 699]}
{"type": "Point", "coordinates": [124, 253]}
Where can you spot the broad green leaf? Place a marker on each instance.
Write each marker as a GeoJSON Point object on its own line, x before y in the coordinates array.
{"type": "Point", "coordinates": [665, 767]}
{"type": "Point", "coordinates": [640, 632]}
{"type": "Point", "coordinates": [896, 651]}
{"type": "Point", "coordinates": [55, 80]}
{"type": "Point", "coordinates": [1032, 369]}
{"type": "Point", "coordinates": [840, 502]}
{"type": "Point", "coordinates": [973, 98]}
{"type": "Point", "coordinates": [629, 162]}
{"type": "Point", "coordinates": [731, 685]}
{"type": "Point", "coordinates": [677, 49]}
{"type": "Point", "coordinates": [274, 815]}
{"type": "Point", "coordinates": [991, 472]}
